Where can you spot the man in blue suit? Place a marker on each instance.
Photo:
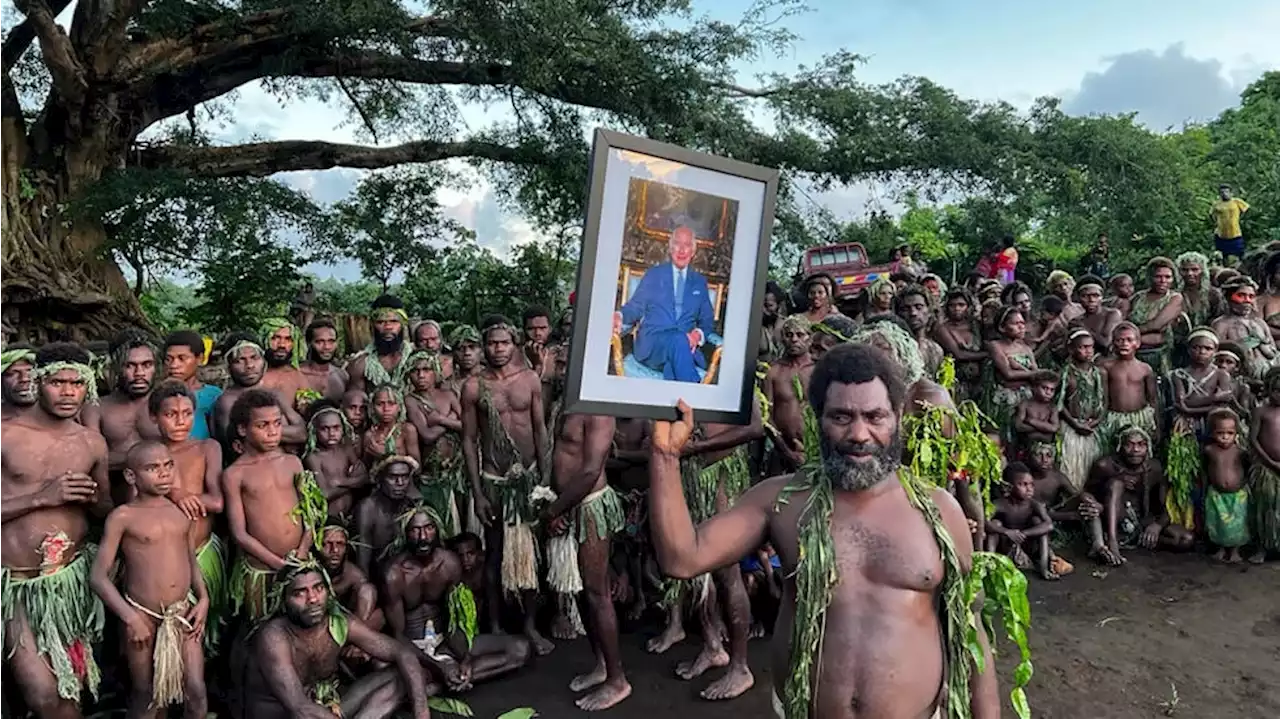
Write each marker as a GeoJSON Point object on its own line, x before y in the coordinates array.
{"type": "Point", "coordinates": [672, 304]}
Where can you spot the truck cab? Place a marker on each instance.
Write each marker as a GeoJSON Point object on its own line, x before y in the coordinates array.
{"type": "Point", "coordinates": [847, 264]}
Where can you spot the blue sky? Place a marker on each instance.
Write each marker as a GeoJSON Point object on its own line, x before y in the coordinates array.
{"type": "Point", "coordinates": [1170, 62]}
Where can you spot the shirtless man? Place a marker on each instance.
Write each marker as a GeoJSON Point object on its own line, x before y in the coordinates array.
{"type": "Point", "coordinates": [718, 452]}
{"type": "Point", "coordinates": [183, 355]}
{"type": "Point", "coordinates": [197, 491]}
{"type": "Point", "coordinates": [961, 338]}
{"type": "Point", "coordinates": [283, 344]}
{"type": "Point", "coordinates": [1132, 488]}
{"type": "Point", "coordinates": [885, 575]}
{"type": "Point", "coordinates": [319, 372]}
{"type": "Point", "coordinates": [333, 455]}
{"type": "Point", "coordinates": [912, 305]}
{"type": "Point", "coordinates": [292, 671]}
{"type": "Point", "coordinates": [1131, 389]}
{"type": "Point", "coordinates": [538, 351]}
{"type": "Point", "coordinates": [53, 474]}
{"type": "Point", "coordinates": [786, 407]}
{"type": "Point", "coordinates": [246, 363]}
{"type": "Point", "coordinates": [377, 515]}
{"type": "Point", "coordinates": [422, 583]}
{"type": "Point", "coordinates": [591, 512]}
{"type": "Point", "coordinates": [1099, 320]}
{"type": "Point", "coordinates": [19, 390]}
{"type": "Point", "coordinates": [261, 494]}
{"type": "Point", "coordinates": [1269, 303]}
{"type": "Point", "coordinates": [427, 337]}
{"type": "Point", "coordinates": [465, 341]}
{"type": "Point", "coordinates": [385, 361]}
{"type": "Point", "coordinates": [350, 585]}
{"type": "Point", "coordinates": [828, 333]}
{"type": "Point", "coordinates": [503, 424]}
{"type": "Point", "coordinates": [1243, 327]}
{"type": "Point", "coordinates": [122, 417]}
{"type": "Point", "coordinates": [162, 626]}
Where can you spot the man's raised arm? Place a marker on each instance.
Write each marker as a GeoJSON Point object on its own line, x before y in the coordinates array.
{"type": "Point", "coordinates": [685, 551]}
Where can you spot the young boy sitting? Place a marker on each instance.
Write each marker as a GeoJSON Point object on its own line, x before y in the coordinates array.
{"type": "Point", "coordinates": [1021, 521]}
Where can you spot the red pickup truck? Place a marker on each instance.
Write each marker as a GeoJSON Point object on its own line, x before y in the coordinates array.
{"type": "Point", "coordinates": [847, 264]}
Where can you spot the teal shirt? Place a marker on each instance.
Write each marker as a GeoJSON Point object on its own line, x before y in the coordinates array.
{"type": "Point", "coordinates": [206, 397]}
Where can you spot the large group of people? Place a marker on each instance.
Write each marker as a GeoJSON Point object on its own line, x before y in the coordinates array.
{"type": "Point", "coordinates": [352, 535]}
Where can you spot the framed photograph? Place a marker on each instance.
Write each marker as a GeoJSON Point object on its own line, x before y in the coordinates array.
{"type": "Point", "coordinates": [675, 255]}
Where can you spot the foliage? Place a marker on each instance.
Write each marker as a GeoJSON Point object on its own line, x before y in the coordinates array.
{"type": "Point", "coordinates": [168, 304]}
{"type": "Point", "coordinates": [394, 223]}
{"type": "Point", "coordinates": [240, 287]}
{"type": "Point", "coordinates": [335, 296]}
{"type": "Point", "coordinates": [1003, 588]}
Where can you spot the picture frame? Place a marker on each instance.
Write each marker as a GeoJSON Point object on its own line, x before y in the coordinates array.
{"type": "Point", "coordinates": [675, 256]}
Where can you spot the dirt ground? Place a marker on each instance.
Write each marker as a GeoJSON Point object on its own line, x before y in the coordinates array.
{"type": "Point", "coordinates": [1163, 636]}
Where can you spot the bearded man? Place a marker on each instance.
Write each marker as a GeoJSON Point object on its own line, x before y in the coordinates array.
{"type": "Point", "coordinates": [53, 476]}
{"type": "Point", "coordinates": [292, 672]}
{"type": "Point", "coordinates": [386, 359]}
{"type": "Point", "coordinates": [246, 363]}
{"type": "Point", "coordinates": [1242, 326]}
{"type": "Point", "coordinates": [319, 372]}
{"type": "Point", "coordinates": [428, 337]}
{"type": "Point", "coordinates": [19, 390]}
{"type": "Point", "coordinates": [504, 444]}
{"type": "Point", "coordinates": [284, 349]}
{"type": "Point", "coordinates": [123, 417]}
{"type": "Point", "coordinates": [887, 575]}
{"type": "Point", "coordinates": [1100, 320]}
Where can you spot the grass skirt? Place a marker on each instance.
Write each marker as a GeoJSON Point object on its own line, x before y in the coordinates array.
{"type": "Point", "coordinates": [249, 588]}
{"type": "Point", "coordinates": [519, 545]}
{"type": "Point", "coordinates": [701, 486]}
{"type": "Point", "coordinates": [66, 618]}
{"type": "Point", "coordinates": [1183, 469]}
{"type": "Point", "coordinates": [212, 558]}
{"type": "Point", "coordinates": [1264, 500]}
{"type": "Point", "coordinates": [166, 656]}
{"type": "Point", "coordinates": [1227, 516]}
{"type": "Point", "coordinates": [1079, 452]}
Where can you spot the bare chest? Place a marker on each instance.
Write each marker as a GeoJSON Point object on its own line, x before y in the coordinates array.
{"type": "Point", "coordinates": [159, 526]}
{"type": "Point", "coordinates": [32, 456]}
{"type": "Point", "coordinates": [190, 463]}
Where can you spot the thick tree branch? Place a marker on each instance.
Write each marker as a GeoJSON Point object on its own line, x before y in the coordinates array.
{"type": "Point", "coordinates": [59, 56]}
{"type": "Point", "coordinates": [267, 158]}
{"type": "Point", "coordinates": [20, 37]}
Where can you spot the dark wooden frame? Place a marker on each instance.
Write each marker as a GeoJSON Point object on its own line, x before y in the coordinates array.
{"type": "Point", "coordinates": [602, 143]}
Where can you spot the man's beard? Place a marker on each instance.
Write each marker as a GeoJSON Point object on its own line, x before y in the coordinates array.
{"type": "Point", "coordinates": [243, 380]}
{"type": "Point", "coordinates": [425, 548]}
{"type": "Point", "coordinates": [386, 347]}
{"type": "Point", "coordinates": [278, 358]}
{"type": "Point", "coordinates": [19, 398]}
{"type": "Point", "coordinates": [132, 392]}
{"type": "Point", "coordinates": [850, 475]}
{"type": "Point", "coordinates": [317, 359]}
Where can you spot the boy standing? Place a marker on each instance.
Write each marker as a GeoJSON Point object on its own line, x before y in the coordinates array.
{"type": "Point", "coordinates": [1226, 510]}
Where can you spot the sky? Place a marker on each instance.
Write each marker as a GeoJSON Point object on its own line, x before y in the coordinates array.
{"type": "Point", "coordinates": [1171, 62]}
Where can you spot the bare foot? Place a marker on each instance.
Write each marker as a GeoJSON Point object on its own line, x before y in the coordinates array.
{"type": "Point", "coordinates": [1104, 554]}
{"type": "Point", "coordinates": [541, 645]}
{"type": "Point", "coordinates": [592, 678]}
{"type": "Point", "coordinates": [1020, 558]}
{"type": "Point", "coordinates": [1220, 555]}
{"type": "Point", "coordinates": [669, 637]}
{"type": "Point", "coordinates": [734, 682]}
{"type": "Point", "coordinates": [757, 630]}
{"type": "Point", "coordinates": [1048, 573]}
{"type": "Point", "coordinates": [636, 612]}
{"type": "Point", "coordinates": [562, 628]}
{"type": "Point", "coordinates": [1233, 557]}
{"type": "Point", "coordinates": [1258, 557]}
{"type": "Point", "coordinates": [708, 658]}
{"type": "Point", "coordinates": [1114, 548]}
{"type": "Point", "coordinates": [605, 696]}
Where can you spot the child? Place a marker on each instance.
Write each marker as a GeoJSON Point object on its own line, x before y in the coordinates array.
{"type": "Point", "coordinates": [1036, 418]}
{"type": "Point", "coordinates": [1230, 359]}
{"type": "Point", "coordinates": [197, 491]}
{"type": "Point", "coordinates": [1020, 519]}
{"type": "Point", "coordinates": [161, 578]}
{"type": "Point", "coordinates": [1131, 388]}
{"type": "Point", "coordinates": [1264, 477]}
{"type": "Point", "coordinates": [261, 494]}
{"type": "Point", "coordinates": [1226, 510]}
{"type": "Point", "coordinates": [390, 434]}
{"type": "Point", "coordinates": [355, 407]}
{"type": "Point", "coordinates": [1082, 403]}
{"type": "Point", "coordinates": [1121, 294]}
{"type": "Point", "coordinates": [334, 457]}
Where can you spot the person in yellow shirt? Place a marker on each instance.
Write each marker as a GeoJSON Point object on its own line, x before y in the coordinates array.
{"type": "Point", "coordinates": [1226, 222]}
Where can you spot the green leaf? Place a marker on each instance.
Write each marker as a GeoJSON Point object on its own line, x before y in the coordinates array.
{"type": "Point", "coordinates": [521, 713]}
{"type": "Point", "coordinates": [449, 705]}
{"type": "Point", "coordinates": [1020, 705]}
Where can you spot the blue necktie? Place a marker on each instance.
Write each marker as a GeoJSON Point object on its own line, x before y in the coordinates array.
{"type": "Point", "coordinates": [679, 292]}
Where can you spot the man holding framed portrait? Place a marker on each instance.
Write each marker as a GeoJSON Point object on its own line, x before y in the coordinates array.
{"type": "Point", "coordinates": [673, 311]}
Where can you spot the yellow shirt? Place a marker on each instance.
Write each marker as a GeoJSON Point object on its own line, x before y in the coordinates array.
{"type": "Point", "coordinates": [1226, 217]}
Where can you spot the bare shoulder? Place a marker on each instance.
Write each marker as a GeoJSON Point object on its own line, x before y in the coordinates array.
{"type": "Point", "coordinates": [766, 493]}
{"type": "Point", "coordinates": [212, 450]}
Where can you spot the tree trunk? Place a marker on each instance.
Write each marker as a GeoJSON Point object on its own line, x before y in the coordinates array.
{"type": "Point", "coordinates": [57, 283]}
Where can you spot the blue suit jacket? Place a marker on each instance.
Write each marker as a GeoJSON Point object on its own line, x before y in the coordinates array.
{"type": "Point", "coordinates": [654, 306]}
